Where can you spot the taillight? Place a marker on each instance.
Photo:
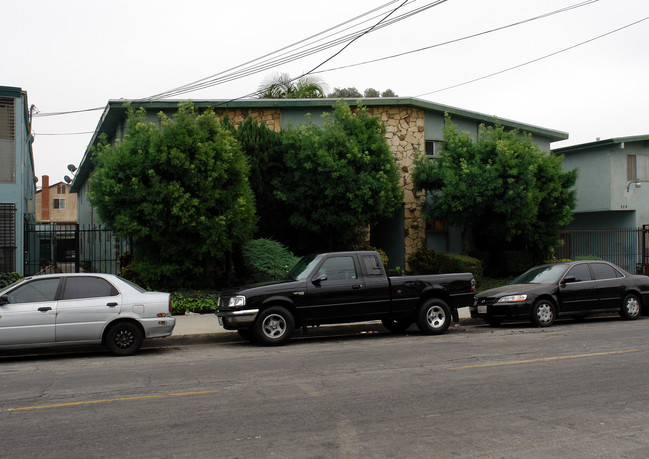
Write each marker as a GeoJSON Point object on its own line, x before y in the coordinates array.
{"type": "Point", "coordinates": [169, 304]}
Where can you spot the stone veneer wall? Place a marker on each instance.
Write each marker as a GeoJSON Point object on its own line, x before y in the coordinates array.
{"type": "Point", "coordinates": [404, 127]}
{"type": "Point", "coordinates": [270, 116]}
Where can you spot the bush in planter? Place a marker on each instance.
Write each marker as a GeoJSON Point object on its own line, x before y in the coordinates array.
{"type": "Point", "coordinates": [423, 261]}
{"type": "Point", "coordinates": [9, 278]}
{"type": "Point", "coordinates": [266, 260]}
{"type": "Point", "coordinates": [198, 301]}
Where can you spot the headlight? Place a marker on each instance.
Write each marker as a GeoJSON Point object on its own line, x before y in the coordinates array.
{"type": "Point", "coordinates": [512, 298]}
{"type": "Point", "coordinates": [237, 301]}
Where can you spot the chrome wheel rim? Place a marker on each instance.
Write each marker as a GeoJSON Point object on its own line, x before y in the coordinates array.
{"type": "Point", "coordinates": [633, 306]}
{"type": "Point", "coordinates": [124, 339]}
{"type": "Point", "coordinates": [274, 326]}
{"type": "Point", "coordinates": [544, 314]}
{"type": "Point", "coordinates": [436, 317]}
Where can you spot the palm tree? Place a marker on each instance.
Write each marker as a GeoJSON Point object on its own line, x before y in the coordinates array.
{"type": "Point", "coordinates": [282, 86]}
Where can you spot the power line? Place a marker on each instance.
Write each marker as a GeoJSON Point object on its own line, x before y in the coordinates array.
{"type": "Point", "coordinates": [535, 60]}
{"type": "Point", "coordinates": [64, 133]}
{"type": "Point", "coordinates": [467, 37]}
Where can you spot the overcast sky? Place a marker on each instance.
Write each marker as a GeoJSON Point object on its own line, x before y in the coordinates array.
{"type": "Point", "coordinates": [76, 55]}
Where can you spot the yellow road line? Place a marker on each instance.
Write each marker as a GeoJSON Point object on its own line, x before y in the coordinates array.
{"type": "Point", "coordinates": [544, 359]}
{"type": "Point", "coordinates": [119, 399]}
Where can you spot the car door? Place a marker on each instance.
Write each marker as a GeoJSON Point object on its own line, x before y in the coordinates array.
{"type": "Point", "coordinates": [577, 289]}
{"type": "Point", "coordinates": [377, 288]}
{"type": "Point", "coordinates": [610, 285]}
{"type": "Point", "coordinates": [30, 314]}
{"type": "Point", "coordinates": [87, 304]}
{"type": "Point", "coordinates": [335, 290]}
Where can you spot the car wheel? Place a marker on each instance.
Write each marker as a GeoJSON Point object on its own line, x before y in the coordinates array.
{"type": "Point", "coordinates": [246, 334]}
{"type": "Point", "coordinates": [396, 326]}
{"type": "Point", "coordinates": [543, 313]}
{"type": "Point", "coordinates": [630, 307]}
{"type": "Point", "coordinates": [433, 317]}
{"type": "Point", "coordinates": [274, 326]}
{"type": "Point", "coordinates": [124, 338]}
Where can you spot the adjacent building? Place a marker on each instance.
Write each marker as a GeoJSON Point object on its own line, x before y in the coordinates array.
{"type": "Point", "coordinates": [55, 204]}
{"type": "Point", "coordinates": [412, 125]}
{"type": "Point", "coordinates": [17, 181]}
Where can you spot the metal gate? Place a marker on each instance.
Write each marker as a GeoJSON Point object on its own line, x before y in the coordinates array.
{"type": "Point", "coordinates": [56, 248]}
{"type": "Point", "coordinates": [625, 247]}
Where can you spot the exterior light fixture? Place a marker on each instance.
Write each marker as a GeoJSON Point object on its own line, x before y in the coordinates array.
{"type": "Point", "coordinates": [636, 182]}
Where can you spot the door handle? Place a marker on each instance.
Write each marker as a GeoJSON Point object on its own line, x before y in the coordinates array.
{"type": "Point", "coordinates": [357, 286]}
{"type": "Point", "coordinates": [45, 309]}
{"type": "Point", "coordinates": [112, 305]}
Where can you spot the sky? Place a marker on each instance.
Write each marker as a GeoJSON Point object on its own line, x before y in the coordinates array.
{"type": "Point", "coordinates": [583, 71]}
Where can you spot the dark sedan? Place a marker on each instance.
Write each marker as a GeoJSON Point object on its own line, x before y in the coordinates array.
{"type": "Point", "coordinates": [576, 288]}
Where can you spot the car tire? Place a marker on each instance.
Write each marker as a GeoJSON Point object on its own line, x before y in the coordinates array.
{"type": "Point", "coordinates": [543, 313]}
{"type": "Point", "coordinates": [631, 307]}
{"type": "Point", "coordinates": [396, 326]}
{"type": "Point", "coordinates": [433, 317]}
{"type": "Point", "coordinates": [274, 326]}
{"type": "Point", "coordinates": [123, 338]}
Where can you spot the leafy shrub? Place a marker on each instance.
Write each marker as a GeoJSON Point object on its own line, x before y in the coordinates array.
{"type": "Point", "coordinates": [198, 301]}
{"type": "Point", "coordinates": [266, 260]}
{"type": "Point", "coordinates": [423, 261]}
{"type": "Point", "coordinates": [9, 278]}
{"type": "Point", "coordinates": [427, 261]}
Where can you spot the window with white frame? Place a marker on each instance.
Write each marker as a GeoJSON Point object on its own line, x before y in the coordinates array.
{"type": "Point", "coordinates": [59, 203]}
{"type": "Point", "coordinates": [434, 148]}
{"type": "Point", "coordinates": [637, 168]}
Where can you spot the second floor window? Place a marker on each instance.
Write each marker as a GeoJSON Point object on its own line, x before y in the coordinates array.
{"type": "Point", "coordinates": [59, 203]}
{"type": "Point", "coordinates": [637, 167]}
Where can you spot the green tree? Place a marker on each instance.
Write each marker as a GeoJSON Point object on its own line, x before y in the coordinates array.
{"type": "Point", "coordinates": [338, 177]}
{"type": "Point", "coordinates": [282, 86]}
{"type": "Point", "coordinates": [503, 187]}
{"type": "Point", "coordinates": [341, 93]}
{"type": "Point", "coordinates": [180, 190]}
{"type": "Point", "coordinates": [388, 93]}
{"type": "Point", "coordinates": [371, 92]}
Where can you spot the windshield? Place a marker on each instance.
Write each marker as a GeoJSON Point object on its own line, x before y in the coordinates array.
{"type": "Point", "coordinates": [303, 268]}
{"type": "Point", "coordinates": [541, 275]}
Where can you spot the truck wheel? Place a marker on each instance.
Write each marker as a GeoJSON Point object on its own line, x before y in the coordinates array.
{"type": "Point", "coordinates": [274, 326]}
{"type": "Point", "coordinates": [396, 326]}
{"type": "Point", "coordinates": [433, 317]}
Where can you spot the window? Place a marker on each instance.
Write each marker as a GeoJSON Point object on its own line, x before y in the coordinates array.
{"type": "Point", "coordinates": [60, 189]}
{"type": "Point", "coordinates": [87, 287]}
{"type": "Point", "coordinates": [59, 203]}
{"type": "Point", "coordinates": [7, 141]}
{"type": "Point", "coordinates": [434, 148]}
{"type": "Point", "coordinates": [338, 268]}
{"type": "Point", "coordinates": [371, 265]}
{"type": "Point", "coordinates": [637, 167]}
{"type": "Point", "coordinates": [581, 273]}
{"type": "Point", "coordinates": [435, 225]}
{"type": "Point", "coordinates": [7, 237]}
{"type": "Point", "coordinates": [604, 271]}
{"type": "Point", "coordinates": [35, 291]}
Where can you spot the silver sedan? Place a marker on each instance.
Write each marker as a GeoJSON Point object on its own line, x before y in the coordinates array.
{"type": "Point", "coordinates": [66, 309]}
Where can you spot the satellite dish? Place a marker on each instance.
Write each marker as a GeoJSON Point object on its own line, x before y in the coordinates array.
{"type": "Point", "coordinates": [72, 167]}
{"type": "Point", "coordinates": [67, 179]}
{"type": "Point", "coordinates": [35, 179]}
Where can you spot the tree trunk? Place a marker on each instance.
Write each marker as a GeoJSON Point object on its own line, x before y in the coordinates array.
{"type": "Point", "coordinates": [466, 229]}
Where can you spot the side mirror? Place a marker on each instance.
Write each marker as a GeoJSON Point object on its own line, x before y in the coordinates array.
{"type": "Point", "coordinates": [568, 280]}
{"type": "Point", "coordinates": [4, 299]}
{"type": "Point", "coordinates": [320, 278]}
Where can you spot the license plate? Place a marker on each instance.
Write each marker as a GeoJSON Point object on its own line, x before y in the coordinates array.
{"type": "Point", "coordinates": [482, 309]}
{"type": "Point", "coordinates": [220, 321]}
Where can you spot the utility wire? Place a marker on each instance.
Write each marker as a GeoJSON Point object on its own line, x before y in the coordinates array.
{"type": "Point", "coordinates": [467, 37]}
{"type": "Point", "coordinates": [535, 60]}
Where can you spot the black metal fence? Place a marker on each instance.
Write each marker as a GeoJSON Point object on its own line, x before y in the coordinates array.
{"type": "Point", "coordinates": [626, 247]}
{"type": "Point", "coordinates": [72, 248]}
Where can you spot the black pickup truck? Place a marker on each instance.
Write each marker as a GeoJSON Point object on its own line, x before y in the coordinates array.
{"type": "Point", "coordinates": [343, 287]}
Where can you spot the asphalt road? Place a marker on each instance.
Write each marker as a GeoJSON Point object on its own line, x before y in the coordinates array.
{"type": "Point", "coordinates": [573, 390]}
